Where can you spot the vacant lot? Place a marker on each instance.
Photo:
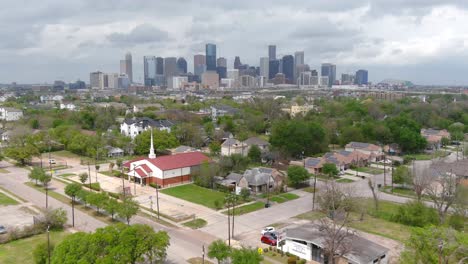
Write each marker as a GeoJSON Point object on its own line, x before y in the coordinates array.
{"type": "Point", "coordinates": [196, 194]}
{"type": "Point", "coordinates": [20, 251]}
{"type": "Point", "coordinates": [248, 208]}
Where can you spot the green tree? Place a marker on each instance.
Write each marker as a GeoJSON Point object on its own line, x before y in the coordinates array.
{"type": "Point", "coordinates": [402, 175]}
{"type": "Point", "coordinates": [218, 250]}
{"type": "Point", "coordinates": [83, 177]}
{"type": "Point", "coordinates": [34, 123]}
{"type": "Point", "coordinates": [246, 256]}
{"type": "Point", "coordinates": [72, 190]}
{"type": "Point", "coordinates": [112, 206]}
{"type": "Point", "coordinates": [128, 209]}
{"type": "Point", "coordinates": [245, 193]}
{"type": "Point", "coordinates": [36, 174]}
{"type": "Point", "coordinates": [21, 150]}
{"type": "Point", "coordinates": [97, 199]}
{"type": "Point", "coordinates": [432, 245]}
{"type": "Point", "coordinates": [162, 140]}
{"type": "Point", "coordinates": [295, 138]}
{"type": "Point", "coordinates": [330, 170]}
{"type": "Point", "coordinates": [406, 133]}
{"type": "Point", "coordinates": [297, 175]}
{"type": "Point", "coordinates": [415, 213]}
{"type": "Point", "coordinates": [255, 155]}
{"type": "Point", "coordinates": [215, 148]}
{"type": "Point", "coordinates": [41, 253]}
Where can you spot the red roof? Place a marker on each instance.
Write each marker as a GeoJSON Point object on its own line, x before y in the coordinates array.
{"type": "Point", "coordinates": [146, 168]}
{"type": "Point", "coordinates": [175, 161]}
{"type": "Point", "coordinates": [141, 173]}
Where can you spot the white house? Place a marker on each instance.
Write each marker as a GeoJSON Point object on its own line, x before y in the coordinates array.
{"type": "Point", "coordinates": [222, 110]}
{"type": "Point", "coordinates": [233, 146]}
{"type": "Point", "coordinates": [134, 127]}
{"type": "Point", "coordinates": [68, 106]}
{"type": "Point", "coordinates": [10, 114]}
{"type": "Point", "coordinates": [307, 242]}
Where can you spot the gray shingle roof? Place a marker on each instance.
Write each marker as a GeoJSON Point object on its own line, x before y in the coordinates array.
{"type": "Point", "coordinates": [256, 141]}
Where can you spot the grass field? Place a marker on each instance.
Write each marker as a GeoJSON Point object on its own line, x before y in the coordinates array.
{"type": "Point", "coordinates": [311, 216]}
{"type": "Point", "coordinates": [61, 153]}
{"type": "Point", "coordinates": [198, 260]}
{"type": "Point", "coordinates": [284, 197]}
{"type": "Point", "coordinates": [7, 200]}
{"type": "Point", "coordinates": [248, 208]}
{"type": "Point", "coordinates": [196, 194]}
{"type": "Point", "coordinates": [425, 156]}
{"type": "Point", "coordinates": [20, 251]}
{"type": "Point", "coordinates": [2, 170]}
{"type": "Point", "coordinates": [381, 227]}
{"type": "Point", "coordinates": [196, 223]}
{"type": "Point", "coordinates": [66, 175]}
{"type": "Point", "coordinates": [370, 170]}
{"type": "Point", "coordinates": [344, 180]}
{"type": "Point", "coordinates": [310, 189]}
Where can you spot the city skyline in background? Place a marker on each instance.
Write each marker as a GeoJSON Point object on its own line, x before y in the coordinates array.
{"type": "Point", "coordinates": [423, 42]}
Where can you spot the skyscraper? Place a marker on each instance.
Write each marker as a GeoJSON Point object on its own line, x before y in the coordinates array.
{"type": "Point", "coordinates": [273, 68]}
{"type": "Point", "coordinates": [126, 66]}
{"type": "Point", "coordinates": [361, 77]}
{"type": "Point", "coordinates": [159, 66]}
{"type": "Point", "coordinates": [288, 68]}
{"type": "Point", "coordinates": [199, 64]}
{"type": "Point", "coordinates": [221, 67]}
{"type": "Point", "coordinates": [221, 62]}
{"type": "Point", "coordinates": [210, 51]}
{"type": "Point", "coordinates": [272, 52]}
{"type": "Point", "coordinates": [298, 60]}
{"type": "Point", "coordinates": [170, 67]}
{"type": "Point", "coordinates": [329, 70]}
{"type": "Point", "coordinates": [149, 67]}
{"type": "Point", "coordinates": [181, 65]}
{"type": "Point", "coordinates": [264, 67]}
{"type": "Point", "coordinates": [237, 63]}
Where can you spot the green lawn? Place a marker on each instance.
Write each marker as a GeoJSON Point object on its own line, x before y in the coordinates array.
{"type": "Point", "coordinates": [311, 216]}
{"type": "Point", "coordinates": [344, 180]}
{"type": "Point", "coordinates": [425, 156]}
{"type": "Point", "coordinates": [370, 170]}
{"type": "Point", "coordinates": [2, 170]}
{"type": "Point", "coordinates": [196, 223]}
{"type": "Point", "coordinates": [248, 208]}
{"type": "Point", "coordinates": [20, 251]}
{"type": "Point", "coordinates": [61, 153]}
{"type": "Point", "coordinates": [310, 189]}
{"type": "Point", "coordinates": [196, 194]}
{"type": "Point", "coordinates": [284, 197]}
{"type": "Point", "coordinates": [7, 200]}
{"type": "Point", "coordinates": [381, 227]}
{"type": "Point", "coordinates": [198, 260]}
{"type": "Point", "coordinates": [66, 175]}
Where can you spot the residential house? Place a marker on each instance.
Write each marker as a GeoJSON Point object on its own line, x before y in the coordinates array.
{"type": "Point", "coordinates": [342, 159]}
{"type": "Point", "coordinates": [434, 137]}
{"type": "Point", "coordinates": [182, 149]}
{"type": "Point", "coordinates": [458, 168]}
{"type": "Point", "coordinates": [257, 180]}
{"type": "Point", "coordinates": [134, 127]}
{"type": "Point", "coordinates": [113, 152]}
{"type": "Point", "coordinates": [295, 110]}
{"type": "Point", "coordinates": [51, 100]}
{"type": "Point", "coordinates": [68, 106]}
{"type": "Point", "coordinates": [392, 149]}
{"type": "Point", "coordinates": [263, 145]}
{"type": "Point", "coordinates": [233, 146]}
{"type": "Point", "coordinates": [307, 241]}
{"type": "Point", "coordinates": [375, 152]}
{"type": "Point", "coordinates": [10, 114]}
{"type": "Point", "coordinates": [222, 110]}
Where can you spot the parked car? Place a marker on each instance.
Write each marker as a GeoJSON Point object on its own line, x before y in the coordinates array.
{"type": "Point", "coordinates": [52, 161]}
{"type": "Point", "coordinates": [2, 229]}
{"type": "Point", "coordinates": [269, 238]}
{"type": "Point", "coordinates": [268, 229]}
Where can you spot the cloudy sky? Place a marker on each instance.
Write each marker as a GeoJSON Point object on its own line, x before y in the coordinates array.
{"type": "Point", "coordinates": [424, 41]}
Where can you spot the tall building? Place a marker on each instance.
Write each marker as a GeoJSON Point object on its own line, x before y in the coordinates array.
{"type": "Point", "coordinates": [96, 80]}
{"type": "Point", "coordinates": [273, 68]}
{"type": "Point", "coordinates": [272, 52]}
{"type": "Point", "coordinates": [237, 63]}
{"type": "Point", "coordinates": [199, 64]}
{"type": "Point", "coordinates": [170, 67]}
{"type": "Point", "coordinates": [126, 66]}
{"type": "Point", "coordinates": [288, 68]}
{"type": "Point", "coordinates": [159, 66]}
{"type": "Point", "coordinates": [264, 67]}
{"type": "Point", "coordinates": [234, 75]}
{"type": "Point", "coordinates": [210, 79]}
{"type": "Point", "coordinates": [300, 69]}
{"type": "Point", "coordinates": [182, 65]}
{"type": "Point", "coordinates": [329, 70]}
{"type": "Point", "coordinates": [298, 60]}
{"type": "Point", "coordinates": [221, 62]}
{"type": "Point", "coordinates": [361, 77]}
{"type": "Point", "coordinates": [347, 79]}
{"type": "Point", "coordinates": [210, 51]}
{"type": "Point", "coordinates": [149, 68]}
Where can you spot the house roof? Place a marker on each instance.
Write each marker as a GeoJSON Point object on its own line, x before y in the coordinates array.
{"type": "Point", "coordinates": [313, 162]}
{"type": "Point", "coordinates": [234, 177]}
{"type": "Point", "coordinates": [362, 250]}
{"type": "Point", "coordinates": [230, 142]}
{"type": "Point", "coordinates": [361, 145]}
{"type": "Point", "coordinates": [256, 141]}
{"type": "Point", "coordinates": [258, 176]}
{"type": "Point", "coordinates": [183, 149]}
{"type": "Point", "coordinates": [148, 122]}
{"type": "Point", "coordinates": [180, 160]}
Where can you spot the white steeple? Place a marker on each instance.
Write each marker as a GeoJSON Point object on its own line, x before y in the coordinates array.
{"type": "Point", "coordinates": [151, 153]}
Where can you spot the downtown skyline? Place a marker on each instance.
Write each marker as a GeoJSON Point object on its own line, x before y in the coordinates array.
{"type": "Point", "coordinates": [421, 42]}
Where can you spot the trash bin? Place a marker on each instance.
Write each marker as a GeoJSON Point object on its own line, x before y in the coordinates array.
{"type": "Point", "coordinates": [379, 185]}
{"type": "Point", "coordinates": [267, 205]}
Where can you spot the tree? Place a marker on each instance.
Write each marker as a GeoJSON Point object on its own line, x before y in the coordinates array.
{"type": "Point", "coordinates": [219, 250]}
{"type": "Point", "coordinates": [112, 207]}
{"type": "Point", "coordinates": [330, 169]}
{"type": "Point", "coordinates": [54, 218]}
{"type": "Point", "coordinates": [432, 245]}
{"type": "Point", "coordinates": [372, 187]}
{"type": "Point", "coordinates": [44, 178]}
{"type": "Point", "coordinates": [21, 146]}
{"type": "Point", "coordinates": [296, 137]}
{"type": "Point", "coordinates": [422, 178]}
{"type": "Point", "coordinates": [245, 256]}
{"type": "Point", "coordinates": [255, 155]}
{"type": "Point", "coordinates": [297, 175]}
{"type": "Point", "coordinates": [406, 133]}
{"type": "Point", "coordinates": [72, 190]}
{"type": "Point", "coordinates": [161, 139]}
{"type": "Point", "coordinates": [36, 174]}
{"type": "Point", "coordinates": [83, 177]}
{"type": "Point", "coordinates": [402, 175]}
{"type": "Point", "coordinates": [128, 209]}
{"type": "Point", "coordinates": [215, 148]}
{"type": "Point", "coordinates": [415, 213]}
{"type": "Point", "coordinates": [245, 193]}
{"type": "Point", "coordinates": [97, 199]}
{"type": "Point", "coordinates": [41, 253]}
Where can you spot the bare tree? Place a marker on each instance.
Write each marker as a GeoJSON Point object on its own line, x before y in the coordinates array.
{"type": "Point", "coordinates": [374, 194]}
{"type": "Point", "coordinates": [422, 178]}
{"type": "Point", "coordinates": [444, 191]}
{"type": "Point", "coordinates": [337, 203]}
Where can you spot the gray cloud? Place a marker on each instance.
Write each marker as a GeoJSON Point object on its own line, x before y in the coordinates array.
{"type": "Point", "coordinates": [141, 34]}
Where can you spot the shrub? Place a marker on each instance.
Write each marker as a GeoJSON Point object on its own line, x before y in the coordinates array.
{"type": "Point", "coordinates": [41, 253]}
{"type": "Point", "coordinates": [54, 218]}
{"type": "Point", "coordinates": [302, 261]}
{"type": "Point", "coordinates": [292, 260]}
{"type": "Point", "coordinates": [288, 254]}
{"type": "Point", "coordinates": [457, 222]}
{"type": "Point", "coordinates": [265, 250]}
{"type": "Point", "coordinates": [415, 213]}
{"type": "Point", "coordinates": [274, 254]}
{"type": "Point", "coordinates": [95, 186]}
{"type": "Point", "coordinates": [114, 195]}
{"type": "Point", "coordinates": [18, 233]}
{"type": "Point", "coordinates": [218, 204]}
{"type": "Point", "coordinates": [154, 185]}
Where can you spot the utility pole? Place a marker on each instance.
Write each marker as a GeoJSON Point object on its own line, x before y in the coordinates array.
{"type": "Point", "coordinates": [48, 243]}
{"type": "Point", "coordinates": [203, 254]}
{"type": "Point", "coordinates": [89, 176]}
{"type": "Point", "coordinates": [384, 172]}
{"type": "Point", "coordinates": [233, 213]}
{"type": "Point", "coordinates": [229, 221]}
{"type": "Point", "coordinates": [157, 198]}
{"type": "Point", "coordinates": [151, 203]}
{"type": "Point", "coordinates": [313, 195]}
